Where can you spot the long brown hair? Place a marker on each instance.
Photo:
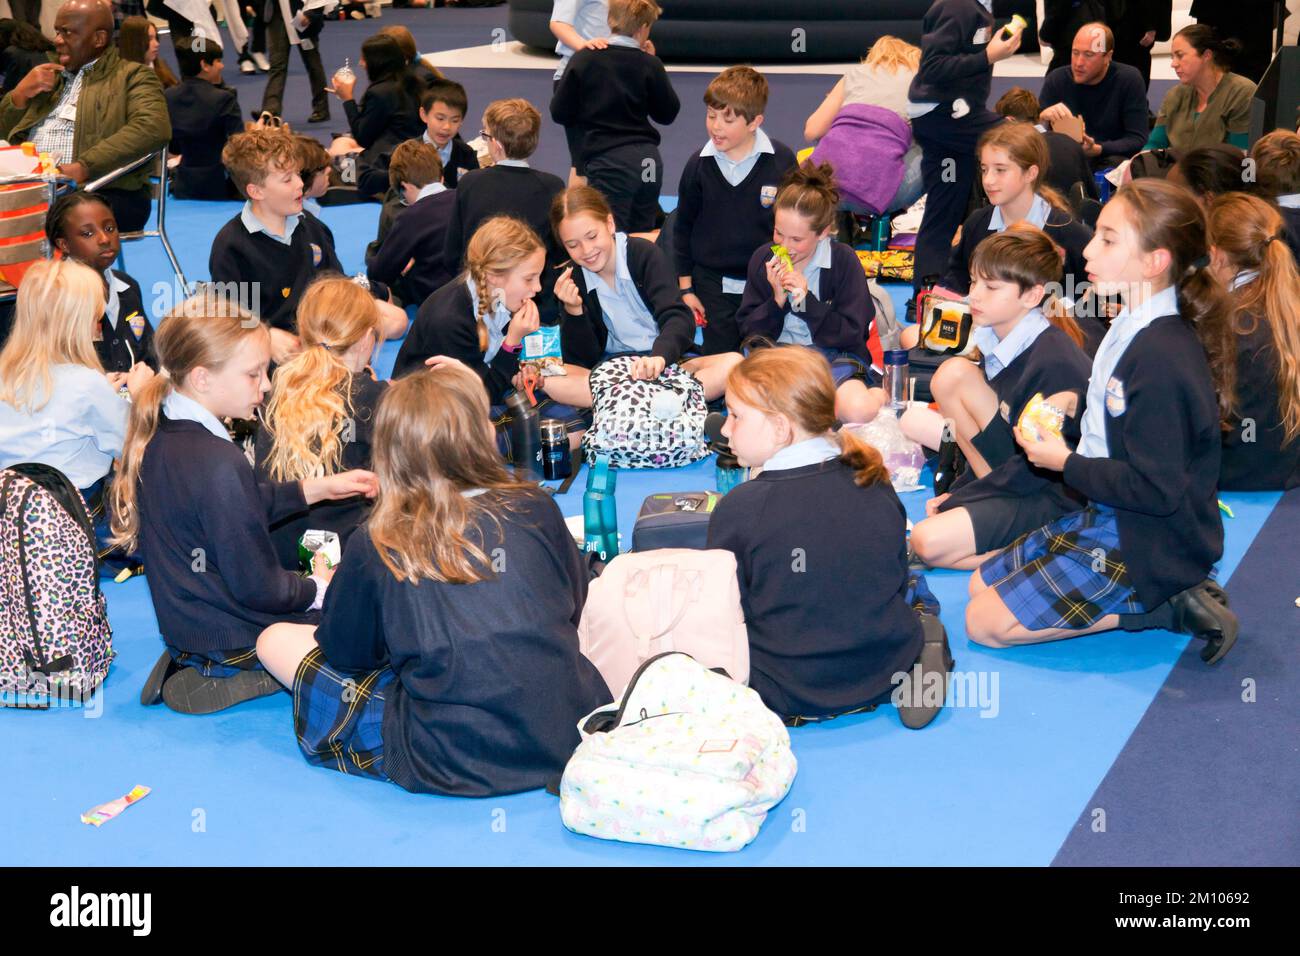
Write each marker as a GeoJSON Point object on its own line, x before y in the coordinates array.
{"type": "Point", "coordinates": [1165, 216]}
{"type": "Point", "coordinates": [811, 192]}
{"type": "Point", "coordinates": [796, 382]}
{"type": "Point", "coordinates": [497, 246]}
{"type": "Point", "coordinates": [204, 330]}
{"type": "Point", "coordinates": [575, 201]}
{"type": "Point", "coordinates": [1026, 147]}
{"type": "Point", "coordinates": [1251, 233]}
{"type": "Point", "coordinates": [311, 397]}
{"type": "Point", "coordinates": [432, 442]}
{"type": "Point", "coordinates": [59, 304]}
{"type": "Point", "coordinates": [133, 45]}
{"type": "Point", "coordinates": [1027, 256]}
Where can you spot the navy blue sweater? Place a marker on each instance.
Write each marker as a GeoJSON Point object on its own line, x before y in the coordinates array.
{"type": "Point", "coordinates": [213, 573]}
{"type": "Point", "coordinates": [490, 682]}
{"type": "Point", "coordinates": [1266, 462]}
{"type": "Point", "coordinates": [584, 336]}
{"type": "Point", "coordinates": [119, 348]}
{"type": "Point", "coordinates": [517, 191]}
{"type": "Point", "coordinates": [953, 64]}
{"type": "Point", "coordinates": [1062, 228]}
{"type": "Point", "coordinates": [611, 95]}
{"type": "Point", "coordinates": [718, 224]}
{"type": "Point", "coordinates": [418, 232]}
{"type": "Point", "coordinates": [1163, 468]}
{"type": "Point", "coordinates": [1114, 111]}
{"type": "Point", "coordinates": [821, 641]}
{"type": "Point", "coordinates": [839, 312]}
{"type": "Point", "coordinates": [1052, 364]}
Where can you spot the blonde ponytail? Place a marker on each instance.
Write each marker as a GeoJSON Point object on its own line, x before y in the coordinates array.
{"type": "Point", "coordinates": [497, 246]}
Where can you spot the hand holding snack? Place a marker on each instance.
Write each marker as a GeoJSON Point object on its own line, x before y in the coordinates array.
{"type": "Point", "coordinates": [523, 322]}
{"type": "Point", "coordinates": [566, 290]}
{"type": "Point", "coordinates": [1013, 28]}
{"type": "Point", "coordinates": [783, 255]}
{"type": "Point", "coordinates": [696, 306]}
{"type": "Point", "coordinates": [1041, 419]}
{"type": "Point", "coordinates": [795, 284]}
{"type": "Point", "coordinates": [775, 271]}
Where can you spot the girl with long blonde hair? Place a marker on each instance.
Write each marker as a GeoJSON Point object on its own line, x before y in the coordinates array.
{"type": "Point", "coordinates": [57, 406]}
{"type": "Point", "coordinates": [319, 419]}
{"type": "Point", "coordinates": [1259, 394]}
{"type": "Point", "coordinates": [186, 497]}
{"type": "Point", "coordinates": [822, 643]}
{"type": "Point", "coordinates": [447, 660]}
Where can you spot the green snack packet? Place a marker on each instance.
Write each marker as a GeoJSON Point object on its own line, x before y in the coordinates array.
{"type": "Point", "coordinates": [315, 542]}
{"type": "Point", "coordinates": [782, 253]}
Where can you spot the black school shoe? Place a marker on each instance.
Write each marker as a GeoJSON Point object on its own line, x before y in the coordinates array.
{"type": "Point", "coordinates": [1203, 612]}
{"type": "Point", "coordinates": [319, 116]}
{"type": "Point", "coordinates": [189, 692]}
{"type": "Point", "coordinates": [153, 685]}
{"type": "Point", "coordinates": [935, 657]}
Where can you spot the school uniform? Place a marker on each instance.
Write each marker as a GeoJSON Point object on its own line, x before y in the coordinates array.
{"type": "Point", "coordinates": [204, 116]}
{"type": "Point", "coordinates": [1148, 461]}
{"type": "Point", "coordinates": [1061, 227]}
{"type": "Point", "coordinates": [79, 430]}
{"type": "Point", "coordinates": [386, 117]}
{"type": "Point", "coordinates": [1016, 497]}
{"type": "Point", "coordinates": [611, 96]}
{"type": "Point", "coordinates": [1259, 459]}
{"type": "Point", "coordinates": [126, 334]}
{"type": "Point", "coordinates": [590, 18]}
{"type": "Point", "coordinates": [343, 516]}
{"type": "Point", "coordinates": [821, 642]}
{"type": "Point", "coordinates": [419, 233]}
{"type": "Point", "coordinates": [459, 689]}
{"type": "Point", "coordinates": [213, 574]}
{"type": "Point", "coordinates": [1067, 165]}
{"type": "Point", "coordinates": [509, 188]}
{"type": "Point", "coordinates": [274, 271]}
{"type": "Point", "coordinates": [641, 313]}
{"type": "Point", "coordinates": [724, 210]}
{"type": "Point", "coordinates": [835, 318]}
{"type": "Point", "coordinates": [458, 157]}
{"type": "Point", "coordinates": [954, 67]}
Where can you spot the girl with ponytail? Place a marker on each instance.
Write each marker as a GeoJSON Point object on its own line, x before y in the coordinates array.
{"type": "Point", "coordinates": [1140, 554]}
{"type": "Point", "coordinates": [1259, 397]}
{"type": "Point", "coordinates": [188, 501]}
{"type": "Point", "coordinates": [320, 417]}
{"type": "Point", "coordinates": [822, 642]}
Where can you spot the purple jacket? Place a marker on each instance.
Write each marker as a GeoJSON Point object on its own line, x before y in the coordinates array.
{"type": "Point", "coordinates": [866, 144]}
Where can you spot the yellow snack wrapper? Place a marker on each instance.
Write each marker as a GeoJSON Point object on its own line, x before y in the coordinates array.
{"type": "Point", "coordinates": [782, 253]}
{"type": "Point", "coordinates": [1041, 419]}
{"type": "Point", "coordinates": [1017, 24]}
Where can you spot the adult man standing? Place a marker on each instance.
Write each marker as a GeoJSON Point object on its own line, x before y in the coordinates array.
{"type": "Point", "coordinates": [91, 110]}
{"type": "Point", "coordinates": [1139, 25]}
{"type": "Point", "coordinates": [1110, 98]}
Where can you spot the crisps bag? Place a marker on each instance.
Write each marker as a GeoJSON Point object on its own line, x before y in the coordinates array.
{"type": "Point", "coordinates": [688, 758]}
{"type": "Point", "coordinates": [645, 424]}
{"type": "Point", "coordinates": [888, 264]}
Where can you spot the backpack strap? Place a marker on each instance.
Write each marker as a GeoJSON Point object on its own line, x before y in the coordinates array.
{"type": "Point", "coordinates": [35, 655]}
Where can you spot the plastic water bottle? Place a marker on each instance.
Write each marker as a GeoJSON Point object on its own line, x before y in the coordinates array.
{"type": "Point", "coordinates": [599, 510]}
{"type": "Point", "coordinates": [728, 473]}
{"type": "Point", "coordinates": [345, 72]}
{"type": "Point", "coordinates": [896, 378]}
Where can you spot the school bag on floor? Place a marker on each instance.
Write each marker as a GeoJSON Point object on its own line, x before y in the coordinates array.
{"type": "Point", "coordinates": [54, 633]}
{"type": "Point", "coordinates": [689, 758]}
{"type": "Point", "coordinates": [647, 603]}
{"type": "Point", "coordinates": [640, 424]}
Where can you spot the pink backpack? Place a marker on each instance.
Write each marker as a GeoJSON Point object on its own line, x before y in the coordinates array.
{"type": "Point", "coordinates": [672, 599]}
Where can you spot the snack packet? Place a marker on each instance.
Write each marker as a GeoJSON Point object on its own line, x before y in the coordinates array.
{"type": "Point", "coordinates": [325, 543]}
{"type": "Point", "coordinates": [1017, 24]}
{"type": "Point", "coordinates": [98, 816]}
{"type": "Point", "coordinates": [782, 253]}
{"type": "Point", "coordinates": [1041, 419]}
{"type": "Point", "coordinates": [541, 350]}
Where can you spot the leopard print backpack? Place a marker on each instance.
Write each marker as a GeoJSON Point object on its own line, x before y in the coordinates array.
{"type": "Point", "coordinates": [55, 640]}
{"type": "Point", "coordinates": [639, 424]}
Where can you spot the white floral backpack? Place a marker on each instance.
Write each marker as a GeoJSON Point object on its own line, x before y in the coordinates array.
{"type": "Point", "coordinates": [645, 424]}
{"type": "Point", "coordinates": [689, 759]}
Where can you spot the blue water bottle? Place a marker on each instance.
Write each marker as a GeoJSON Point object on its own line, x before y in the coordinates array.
{"type": "Point", "coordinates": [599, 510]}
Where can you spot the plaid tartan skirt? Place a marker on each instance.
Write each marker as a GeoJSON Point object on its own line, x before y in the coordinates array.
{"type": "Point", "coordinates": [339, 718]}
{"type": "Point", "coordinates": [1068, 574]}
{"type": "Point", "coordinates": [218, 663]}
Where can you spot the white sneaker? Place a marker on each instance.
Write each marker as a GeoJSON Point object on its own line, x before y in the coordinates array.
{"type": "Point", "coordinates": [246, 66]}
{"type": "Point", "coordinates": [262, 62]}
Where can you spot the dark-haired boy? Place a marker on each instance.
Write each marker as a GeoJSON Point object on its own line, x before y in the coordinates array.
{"type": "Point", "coordinates": [204, 114]}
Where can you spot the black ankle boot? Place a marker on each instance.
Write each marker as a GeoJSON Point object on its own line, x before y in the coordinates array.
{"type": "Point", "coordinates": [1203, 612]}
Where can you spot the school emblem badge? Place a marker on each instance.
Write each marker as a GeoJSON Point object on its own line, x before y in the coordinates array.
{"type": "Point", "coordinates": [1115, 397]}
{"type": "Point", "coordinates": [767, 196]}
{"type": "Point", "coordinates": [316, 255]}
{"type": "Point", "coordinates": [1005, 410]}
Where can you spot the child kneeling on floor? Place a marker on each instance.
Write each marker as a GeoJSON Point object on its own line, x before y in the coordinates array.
{"type": "Point", "coordinates": [822, 642]}
{"type": "Point", "coordinates": [188, 498]}
{"type": "Point", "coordinates": [447, 657]}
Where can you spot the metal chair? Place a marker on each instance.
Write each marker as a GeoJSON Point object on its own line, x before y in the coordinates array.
{"type": "Point", "coordinates": [159, 182]}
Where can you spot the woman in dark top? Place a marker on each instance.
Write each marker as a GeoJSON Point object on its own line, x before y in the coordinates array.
{"type": "Point", "coordinates": [320, 416]}
{"type": "Point", "coordinates": [1261, 400]}
{"type": "Point", "coordinates": [24, 47]}
{"type": "Point", "coordinates": [447, 655]}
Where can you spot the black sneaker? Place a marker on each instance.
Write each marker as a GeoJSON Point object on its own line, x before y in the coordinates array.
{"type": "Point", "coordinates": [189, 692]}
{"type": "Point", "coordinates": [935, 658]}
{"type": "Point", "coordinates": [1203, 612]}
{"type": "Point", "coordinates": [153, 685]}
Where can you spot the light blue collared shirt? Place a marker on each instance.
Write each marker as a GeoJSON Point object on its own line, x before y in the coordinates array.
{"type": "Point", "coordinates": [589, 17]}
{"type": "Point", "coordinates": [444, 152]}
{"type": "Point", "coordinates": [734, 171]}
{"type": "Point", "coordinates": [253, 224]}
{"type": "Point", "coordinates": [618, 39]}
{"type": "Point", "coordinates": [810, 451]}
{"type": "Point", "coordinates": [999, 353]}
{"type": "Point", "coordinates": [79, 430]}
{"type": "Point", "coordinates": [496, 321]}
{"type": "Point", "coordinates": [630, 324]}
{"type": "Point", "coordinates": [182, 408]}
{"type": "Point", "coordinates": [794, 331]}
{"type": "Point", "coordinates": [521, 163]}
{"type": "Point", "coordinates": [1244, 277]}
{"type": "Point", "coordinates": [432, 189]}
{"type": "Point", "coordinates": [1039, 210]}
{"type": "Point", "coordinates": [114, 303]}
{"type": "Point", "coordinates": [1105, 392]}
{"type": "Point", "coordinates": [1289, 201]}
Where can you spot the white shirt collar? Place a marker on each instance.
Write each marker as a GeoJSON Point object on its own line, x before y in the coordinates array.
{"type": "Point", "coordinates": [1039, 210]}
{"type": "Point", "coordinates": [1244, 277]}
{"type": "Point", "coordinates": [253, 224]}
{"type": "Point", "coordinates": [762, 144]}
{"type": "Point", "coordinates": [180, 407]}
{"type": "Point", "coordinates": [432, 189]}
{"type": "Point", "coordinates": [116, 286]}
{"type": "Point", "coordinates": [616, 39]}
{"type": "Point", "coordinates": [621, 270]}
{"type": "Point", "coordinates": [1164, 302]}
{"type": "Point", "coordinates": [521, 163]}
{"type": "Point", "coordinates": [811, 451]}
{"type": "Point", "coordinates": [1289, 201]}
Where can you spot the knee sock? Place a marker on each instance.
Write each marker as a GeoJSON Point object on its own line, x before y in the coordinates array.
{"type": "Point", "coordinates": [1162, 616]}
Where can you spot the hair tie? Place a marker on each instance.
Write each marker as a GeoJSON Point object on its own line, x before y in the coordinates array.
{"type": "Point", "coordinates": [1202, 263]}
{"type": "Point", "coordinates": [1273, 239]}
{"type": "Point", "coordinates": [326, 346]}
